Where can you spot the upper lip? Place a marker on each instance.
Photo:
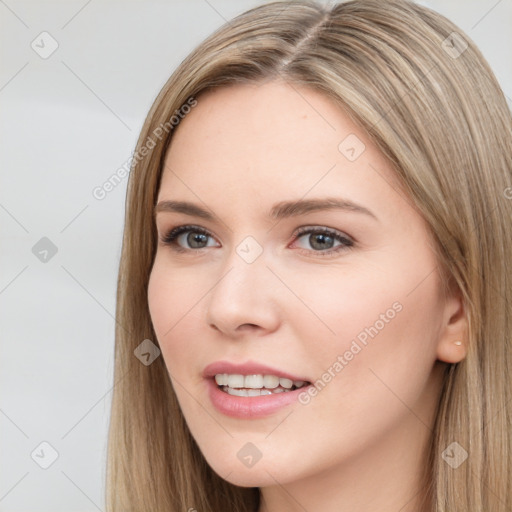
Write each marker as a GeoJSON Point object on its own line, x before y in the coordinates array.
{"type": "Point", "coordinates": [247, 368]}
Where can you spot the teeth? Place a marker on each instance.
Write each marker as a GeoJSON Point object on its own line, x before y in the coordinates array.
{"type": "Point", "coordinates": [254, 385]}
{"type": "Point", "coordinates": [270, 381]}
{"type": "Point", "coordinates": [286, 383]}
{"type": "Point", "coordinates": [237, 392]}
{"type": "Point", "coordinates": [246, 392]}
{"type": "Point", "coordinates": [252, 381]}
{"type": "Point", "coordinates": [235, 381]}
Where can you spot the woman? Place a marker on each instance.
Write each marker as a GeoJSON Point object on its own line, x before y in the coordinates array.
{"type": "Point", "coordinates": [314, 272]}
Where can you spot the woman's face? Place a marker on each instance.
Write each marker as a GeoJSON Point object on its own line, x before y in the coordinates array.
{"type": "Point", "coordinates": [347, 298]}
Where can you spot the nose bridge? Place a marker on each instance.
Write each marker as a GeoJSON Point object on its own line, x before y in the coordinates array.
{"type": "Point", "coordinates": [243, 293]}
{"type": "Point", "coordinates": [245, 265]}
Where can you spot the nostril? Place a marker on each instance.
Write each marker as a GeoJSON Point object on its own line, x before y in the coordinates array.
{"type": "Point", "coordinates": [248, 325]}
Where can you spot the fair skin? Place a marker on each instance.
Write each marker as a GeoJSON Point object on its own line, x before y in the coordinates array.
{"type": "Point", "coordinates": [360, 443]}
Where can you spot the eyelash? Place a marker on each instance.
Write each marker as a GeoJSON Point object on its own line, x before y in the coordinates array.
{"type": "Point", "coordinates": [169, 239]}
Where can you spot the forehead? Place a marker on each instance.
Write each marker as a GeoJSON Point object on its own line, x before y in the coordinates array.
{"type": "Point", "coordinates": [258, 123]}
{"type": "Point", "coordinates": [263, 141]}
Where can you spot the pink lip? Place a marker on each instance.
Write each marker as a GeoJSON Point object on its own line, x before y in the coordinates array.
{"type": "Point", "coordinates": [248, 368]}
{"type": "Point", "coordinates": [248, 407]}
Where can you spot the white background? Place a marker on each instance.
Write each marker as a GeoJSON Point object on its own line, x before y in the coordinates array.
{"type": "Point", "coordinates": [67, 123]}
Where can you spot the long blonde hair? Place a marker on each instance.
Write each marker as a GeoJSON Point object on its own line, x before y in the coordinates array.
{"type": "Point", "coordinates": [428, 99]}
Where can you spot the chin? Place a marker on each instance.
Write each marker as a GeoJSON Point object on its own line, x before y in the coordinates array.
{"type": "Point", "coordinates": [248, 477]}
{"type": "Point", "coordinates": [261, 474]}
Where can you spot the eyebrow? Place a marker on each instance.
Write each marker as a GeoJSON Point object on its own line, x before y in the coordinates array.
{"type": "Point", "coordinates": [279, 211]}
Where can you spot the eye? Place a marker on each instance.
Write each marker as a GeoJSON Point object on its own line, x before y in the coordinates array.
{"type": "Point", "coordinates": [322, 240]}
{"type": "Point", "coordinates": [196, 237]}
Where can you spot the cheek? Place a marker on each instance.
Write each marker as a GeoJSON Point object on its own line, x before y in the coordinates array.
{"type": "Point", "coordinates": [172, 294]}
{"type": "Point", "coordinates": [161, 300]}
{"type": "Point", "coordinates": [383, 318]}
{"type": "Point", "coordinates": [172, 300]}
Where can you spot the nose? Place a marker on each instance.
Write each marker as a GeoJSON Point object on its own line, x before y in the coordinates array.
{"type": "Point", "coordinates": [244, 298]}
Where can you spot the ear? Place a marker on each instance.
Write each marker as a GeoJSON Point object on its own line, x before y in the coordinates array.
{"type": "Point", "coordinates": [454, 329]}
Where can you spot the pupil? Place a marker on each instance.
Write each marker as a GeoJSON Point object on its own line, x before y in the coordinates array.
{"type": "Point", "coordinates": [323, 240]}
{"type": "Point", "coordinates": [197, 237]}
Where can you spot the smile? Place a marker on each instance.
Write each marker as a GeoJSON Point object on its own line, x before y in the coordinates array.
{"type": "Point", "coordinates": [256, 385]}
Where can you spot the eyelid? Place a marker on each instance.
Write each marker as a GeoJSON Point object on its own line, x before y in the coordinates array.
{"type": "Point", "coordinates": [346, 242]}
{"type": "Point", "coordinates": [323, 229]}
{"type": "Point", "coordinates": [176, 231]}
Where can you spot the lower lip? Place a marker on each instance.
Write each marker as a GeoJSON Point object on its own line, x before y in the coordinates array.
{"type": "Point", "coordinates": [250, 406]}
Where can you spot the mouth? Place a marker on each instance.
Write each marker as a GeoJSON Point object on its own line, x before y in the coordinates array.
{"type": "Point", "coordinates": [256, 384]}
{"type": "Point", "coordinates": [251, 390]}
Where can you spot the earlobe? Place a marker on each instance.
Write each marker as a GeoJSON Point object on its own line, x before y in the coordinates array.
{"type": "Point", "coordinates": [451, 351]}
